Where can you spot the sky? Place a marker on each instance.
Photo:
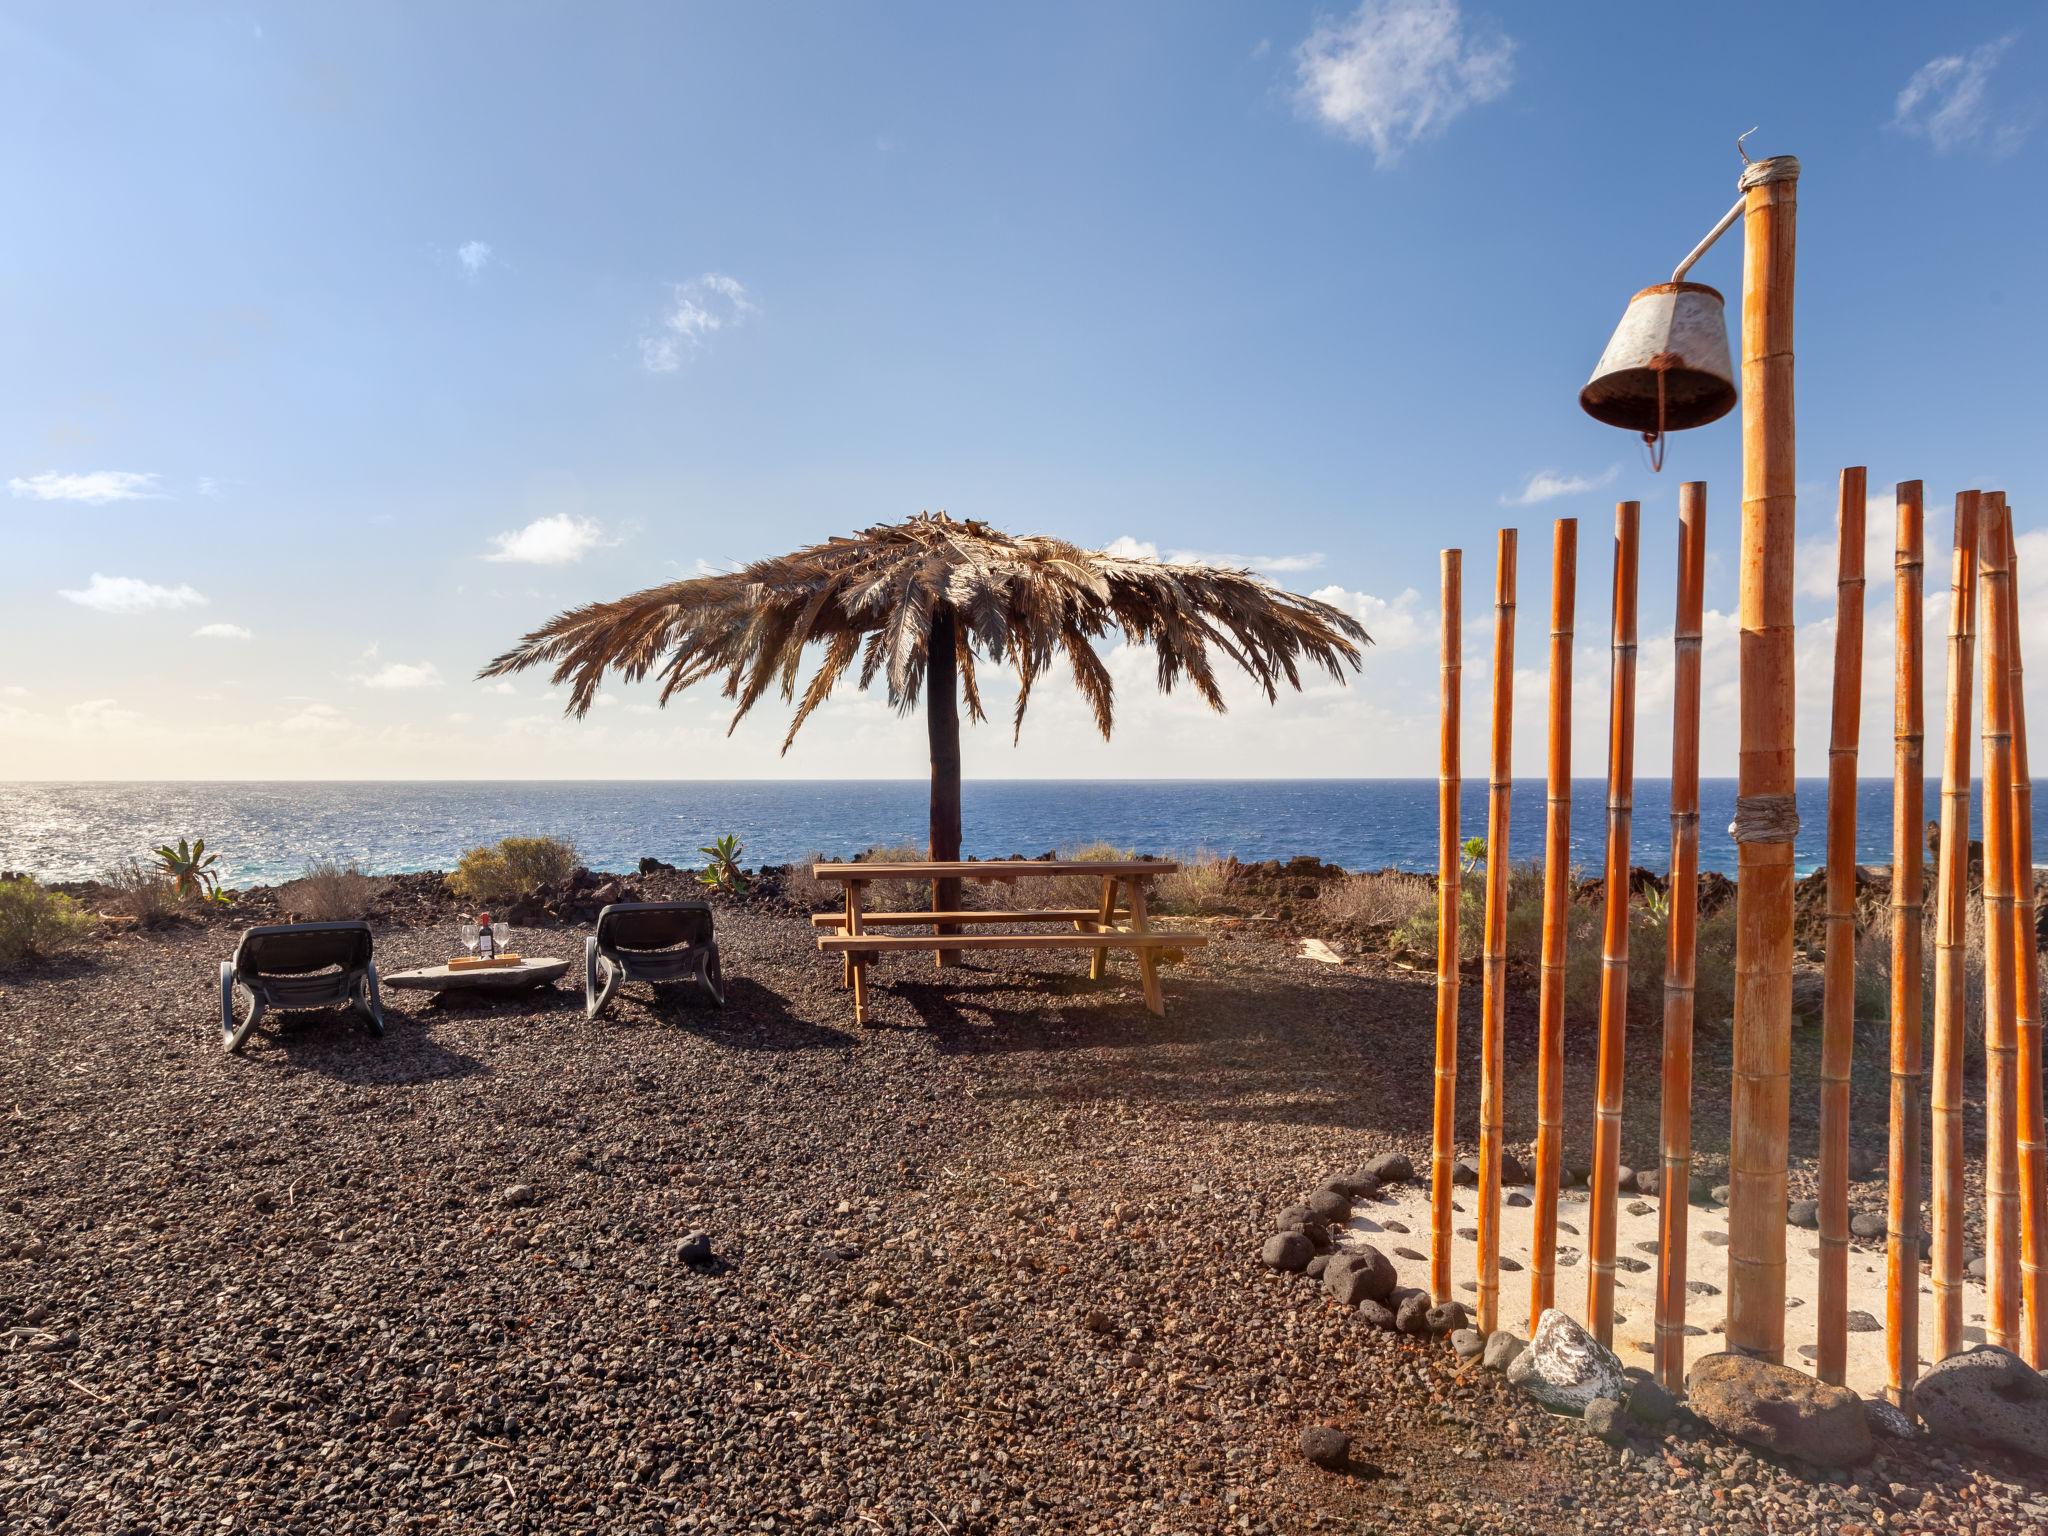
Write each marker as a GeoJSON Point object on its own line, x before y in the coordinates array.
{"type": "Point", "coordinates": [348, 343]}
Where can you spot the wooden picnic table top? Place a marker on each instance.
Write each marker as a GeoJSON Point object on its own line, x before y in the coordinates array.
{"type": "Point", "coordinates": [993, 869]}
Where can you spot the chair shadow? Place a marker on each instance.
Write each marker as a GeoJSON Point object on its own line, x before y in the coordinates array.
{"type": "Point", "coordinates": [754, 1018]}
{"type": "Point", "coordinates": [335, 1043]}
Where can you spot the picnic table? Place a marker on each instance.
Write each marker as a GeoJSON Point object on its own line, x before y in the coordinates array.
{"type": "Point", "coordinates": [1118, 921]}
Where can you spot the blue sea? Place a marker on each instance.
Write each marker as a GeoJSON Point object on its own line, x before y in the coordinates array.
{"type": "Point", "coordinates": [267, 832]}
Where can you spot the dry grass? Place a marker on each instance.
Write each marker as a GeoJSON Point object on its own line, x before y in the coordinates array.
{"type": "Point", "coordinates": [134, 890]}
{"type": "Point", "coordinates": [1203, 883]}
{"type": "Point", "coordinates": [1387, 899]}
{"type": "Point", "coordinates": [807, 890]}
{"type": "Point", "coordinates": [329, 892]}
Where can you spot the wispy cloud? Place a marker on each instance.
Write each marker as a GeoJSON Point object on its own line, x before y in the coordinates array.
{"type": "Point", "coordinates": [95, 487]}
{"type": "Point", "coordinates": [1948, 103]}
{"type": "Point", "coordinates": [401, 674]}
{"type": "Point", "coordinates": [1549, 484]}
{"type": "Point", "coordinates": [701, 307]}
{"type": "Point", "coordinates": [474, 255]}
{"type": "Point", "coordinates": [503, 687]}
{"type": "Point", "coordinates": [222, 632]}
{"type": "Point", "coordinates": [557, 540]}
{"type": "Point", "coordinates": [101, 715]}
{"type": "Point", "coordinates": [130, 594]}
{"type": "Point", "coordinates": [1396, 72]}
{"type": "Point", "coordinates": [1144, 549]}
{"type": "Point", "coordinates": [315, 720]}
{"type": "Point", "coordinates": [1394, 623]}
{"type": "Point", "coordinates": [207, 485]}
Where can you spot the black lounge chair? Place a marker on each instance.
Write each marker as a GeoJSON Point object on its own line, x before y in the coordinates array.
{"type": "Point", "coordinates": [300, 965]}
{"type": "Point", "coordinates": [654, 941]}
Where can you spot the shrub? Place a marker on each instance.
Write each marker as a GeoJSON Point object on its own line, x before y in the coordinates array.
{"type": "Point", "coordinates": [329, 892]}
{"type": "Point", "coordinates": [1203, 883]}
{"type": "Point", "coordinates": [36, 924]}
{"type": "Point", "coordinates": [807, 890]}
{"type": "Point", "coordinates": [136, 891]}
{"type": "Point", "coordinates": [492, 875]}
{"type": "Point", "coordinates": [1384, 899]}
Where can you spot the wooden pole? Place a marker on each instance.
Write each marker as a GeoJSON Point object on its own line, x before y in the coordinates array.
{"type": "Point", "coordinates": [1951, 976]}
{"type": "Point", "coordinates": [2033, 1169]}
{"type": "Point", "coordinates": [1838, 1005]}
{"type": "Point", "coordinates": [1621, 768]}
{"type": "Point", "coordinates": [1557, 893]}
{"type": "Point", "coordinates": [942, 729]}
{"type": "Point", "coordinates": [2001, 1046]}
{"type": "Point", "coordinates": [1443, 1145]}
{"type": "Point", "coordinates": [1680, 939]}
{"type": "Point", "coordinates": [1909, 799]}
{"type": "Point", "coordinates": [1493, 996]}
{"type": "Point", "coordinates": [1766, 808]}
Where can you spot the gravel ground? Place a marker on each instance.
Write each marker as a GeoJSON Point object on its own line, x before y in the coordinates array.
{"type": "Point", "coordinates": [986, 1265]}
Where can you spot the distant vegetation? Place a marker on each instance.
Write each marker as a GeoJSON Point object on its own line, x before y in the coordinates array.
{"type": "Point", "coordinates": [494, 875]}
{"type": "Point", "coordinates": [329, 892]}
{"type": "Point", "coordinates": [38, 925]}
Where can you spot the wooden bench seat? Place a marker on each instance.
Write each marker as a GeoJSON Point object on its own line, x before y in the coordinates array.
{"type": "Point", "coordinates": [1119, 939]}
{"type": "Point", "coordinates": [910, 919]}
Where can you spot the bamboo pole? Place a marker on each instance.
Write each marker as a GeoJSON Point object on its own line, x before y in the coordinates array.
{"type": "Point", "coordinates": [1621, 767]}
{"type": "Point", "coordinates": [1766, 808]}
{"type": "Point", "coordinates": [1493, 995]}
{"type": "Point", "coordinates": [1680, 939]}
{"type": "Point", "coordinates": [2033, 1171]}
{"type": "Point", "coordinates": [1557, 875]}
{"type": "Point", "coordinates": [2001, 1080]}
{"type": "Point", "coordinates": [1909, 800]}
{"type": "Point", "coordinates": [1448, 870]}
{"type": "Point", "coordinates": [1951, 897]}
{"type": "Point", "coordinates": [1838, 1006]}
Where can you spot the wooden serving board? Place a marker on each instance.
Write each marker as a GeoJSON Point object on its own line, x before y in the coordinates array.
{"type": "Point", "coordinates": [472, 963]}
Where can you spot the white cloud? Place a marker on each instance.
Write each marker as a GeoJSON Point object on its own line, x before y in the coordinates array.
{"type": "Point", "coordinates": [402, 674]}
{"type": "Point", "coordinates": [315, 720]}
{"type": "Point", "coordinates": [95, 487]}
{"type": "Point", "coordinates": [474, 255]}
{"type": "Point", "coordinates": [702, 306]}
{"type": "Point", "coordinates": [130, 594]}
{"type": "Point", "coordinates": [101, 715]}
{"type": "Point", "coordinates": [207, 485]}
{"type": "Point", "coordinates": [460, 717]}
{"type": "Point", "coordinates": [222, 632]}
{"type": "Point", "coordinates": [1549, 484]}
{"type": "Point", "coordinates": [1396, 72]}
{"type": "Point", "coordinates": [1948, 102]}
{"type": "Point", "coordinates": [1144, 549]}
{"type": "Point", "coordinates": [502, 686]}
{"type": "Point", "coordinates": [1394, 624]}
{"type": "Point", "coordinates": [557, 540]}
{"type": "Point", "coordinates": [14, 691]}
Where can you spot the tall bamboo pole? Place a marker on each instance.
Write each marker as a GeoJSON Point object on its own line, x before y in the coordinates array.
{"type": "Point", "coordinates": [1909, 800]}
{"type": "Point", "coordinates": [1951, 976]}
{"type": "Point", "coordinates": [2033, 1169]}
{"type": "Point", "coordinates": [1443, 1144]}
{"type": "Point", "coordinates": [1766, 808]}
{"type": "Point", "coordinates": [1621, 770]}
{"type": "Point", "coordinates": [1557, 876]}
{"type": "Point", "coordinates": [1680, 938]}
{"type": "Point", "coordinates": [2001, 1046]}
{"type": "Point", "coordinates": [1493, 996]}
{"type": "Point", "coordinates": [1838, 1005]}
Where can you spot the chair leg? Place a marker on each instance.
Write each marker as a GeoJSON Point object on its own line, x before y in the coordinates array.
{"type": "Point", "coordinates": [370, 1001]}
{"type": "Point", "coordinates": [232, 1034]}
{"type": "Point", "coordinates": [605, 975]}
{"type": "Point", "coordinates": [590, 977]}
{"type": "Point", "coordinates": [709, 973]}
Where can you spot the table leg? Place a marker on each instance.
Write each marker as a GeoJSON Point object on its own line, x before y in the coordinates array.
{"type": "Point", "coordinates": [1148, 958]}
{"type": "Point", "coordinates": [846, 959]}
{"type": "Point", "coordinates": [856, 961]}
{"type": "Point", "coordinates": [1098, 963]}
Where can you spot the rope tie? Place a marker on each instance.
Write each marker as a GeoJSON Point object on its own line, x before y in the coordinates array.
{"type": "Point", "coordinates": [1765, 819]}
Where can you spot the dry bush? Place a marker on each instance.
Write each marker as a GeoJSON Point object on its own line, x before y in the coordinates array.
{"type": "Point", "coordinates": [136, 891]}
{"type": "Point", "coordinates": [1068, 892]}
{"type": "Point", "coordinates": [807, 890]}
{"type": "Point", "coordinates": [329, 892]}
{"type": "Point", "coordinates": [36, 924]}
{"type": "Point", "coordinates": [494, 875]}
{"type": "Point", "coordinates": [1203, 883]}
{"type": "Point", "coordinates": [1385, 899]}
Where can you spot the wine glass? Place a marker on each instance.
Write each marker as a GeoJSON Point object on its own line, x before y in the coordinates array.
{"type": "Point", "coordinates": [501, 937]}
{"type": "Point", "coordinates": [469, 935]}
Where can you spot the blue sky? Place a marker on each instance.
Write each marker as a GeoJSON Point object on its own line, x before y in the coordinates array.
{"type": "Point", "coordinates": [347, 343]}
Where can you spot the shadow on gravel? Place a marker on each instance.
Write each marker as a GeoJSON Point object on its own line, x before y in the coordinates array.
{"type": "Point", "coordinates": [334, 1045]}
{"type": "Point", "coordinates": [754, 1018]}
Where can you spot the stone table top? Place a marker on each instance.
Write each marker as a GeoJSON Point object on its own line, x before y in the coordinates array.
{"type": "Point", "coordinates": [526, 976]}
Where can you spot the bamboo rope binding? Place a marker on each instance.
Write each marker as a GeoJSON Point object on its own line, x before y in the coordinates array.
{"type": "Point", "coordinates": [1838, 1006]}
{"type": "Point", "coordinates": [1682, 913]}
{"type": "Point", "coordinates": [1621, 752]}
{"type": "Point", "coordinates": [1909, 799]}
{"type": "Point", "coordinates": [1760, 1095]}
{"type": "Point", "coordinates": [1557, 875]}
{"type": "Point", "coordinates": [1448, 868]}
{"type": "Point", "coordinates": [1493, 996]}
{"type": "Point", "coordinates": [2026, 943]}
{"type": "Point", "coordinates": [1952, 892]}
{"type": "Point", "coordinates": [2001, 1081]}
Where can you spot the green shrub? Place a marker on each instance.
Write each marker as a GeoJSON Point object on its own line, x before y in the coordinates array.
{"type": "Point", "coordinates": [36, 924]}
{"type": "Point", "coordinates": [493, 875]}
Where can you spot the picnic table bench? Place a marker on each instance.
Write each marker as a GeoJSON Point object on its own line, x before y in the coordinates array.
{"type": "Point", "coordinates": [853, 934]}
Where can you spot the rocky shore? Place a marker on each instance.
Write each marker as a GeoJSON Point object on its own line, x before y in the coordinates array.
{"type": "Point", "coordinates": [991, 1264]}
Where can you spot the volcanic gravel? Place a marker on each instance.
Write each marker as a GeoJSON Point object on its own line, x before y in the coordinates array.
{"type": "Point", "coordinates": [986, 1265]}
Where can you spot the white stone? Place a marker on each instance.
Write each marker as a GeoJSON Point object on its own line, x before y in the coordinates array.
{"type": "Point", "coordinates": [1564, 1368]}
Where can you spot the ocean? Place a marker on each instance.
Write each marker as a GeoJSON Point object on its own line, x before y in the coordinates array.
{"type": "Point", "coordinates": [268, 832]}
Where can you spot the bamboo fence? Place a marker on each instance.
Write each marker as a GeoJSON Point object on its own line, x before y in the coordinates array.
{"type": "Point", "coordinates": [1448, 870]}
{"type": "Point", "coordinates": [1909, 790]}
{"type": "Point", "coordinates": [2033, 1173]}
{"type": "Point", "coordinates": [1621, 732]}
{"type": "Point", "coordinates": [1682, 896]}
{"type": "Point", "coordinates": [1495, 975]}
{"type": "Point", "coordinates": [2001, 1084]}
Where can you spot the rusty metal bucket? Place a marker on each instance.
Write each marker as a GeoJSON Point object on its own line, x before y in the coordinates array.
{"type": "Point", "coordinates": [1667, 367]}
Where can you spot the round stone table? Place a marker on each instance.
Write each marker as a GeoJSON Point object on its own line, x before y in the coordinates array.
{"type": "Point", "coordinates": [486, 981]}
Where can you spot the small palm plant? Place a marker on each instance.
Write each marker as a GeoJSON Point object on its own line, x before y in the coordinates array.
{"type": "Point", "coordinates": [1474, 849]}
{"type": "Point", "coordinates": [190, 872]}
{"type": "Point", "coordinates": [722, 870]}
